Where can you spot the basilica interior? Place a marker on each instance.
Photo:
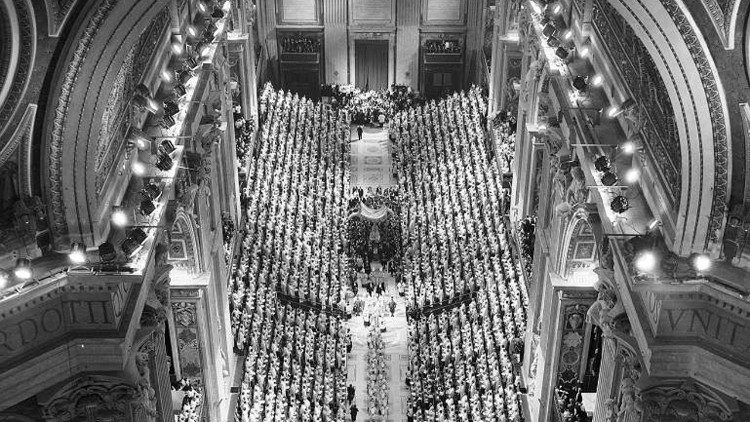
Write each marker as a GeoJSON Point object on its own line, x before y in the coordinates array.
{"type": "Point", "coordinates": [374, 210]}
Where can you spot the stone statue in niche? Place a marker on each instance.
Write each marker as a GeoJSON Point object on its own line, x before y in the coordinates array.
{"type": "Point", "coordinates": [146, 392]}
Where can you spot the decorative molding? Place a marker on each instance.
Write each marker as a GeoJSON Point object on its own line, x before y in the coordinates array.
{"type": "Point", "coordinates": [723, 14]}
{"type": "Point", "coordinates": [686, 400]}
{"type": "Point", "coordinates": [58, 12]}
{"type": "Point", "coordinates": [58, 221]}
{"type": "Point", "coordinates": [26, 54]}
{"type": "Point", "coordinates": [91, 396]}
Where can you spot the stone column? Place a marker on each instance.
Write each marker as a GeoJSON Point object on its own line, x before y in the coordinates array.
{"type": "Point", "coordinates": [607, 367]}
{"type": "Point", "coordinates": [335, 19]}
{"type": "Point", "coordinates": [497, 68]}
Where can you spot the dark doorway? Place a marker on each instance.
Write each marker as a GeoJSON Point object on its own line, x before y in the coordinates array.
{"type": "Point", "coordinates": [371, 58]}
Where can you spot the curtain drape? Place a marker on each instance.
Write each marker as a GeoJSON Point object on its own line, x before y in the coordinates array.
{"type": "Point", "coordinates": [371, 64]}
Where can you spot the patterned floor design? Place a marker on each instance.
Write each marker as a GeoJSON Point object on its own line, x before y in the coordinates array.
{"type": "Point", "coordinates": [371, 158]}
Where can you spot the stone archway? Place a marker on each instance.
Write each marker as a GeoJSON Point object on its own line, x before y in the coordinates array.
{"type": "Point", "coordinates": [87, 74]}
{"type": "Point", "coordinates": [684, 62]}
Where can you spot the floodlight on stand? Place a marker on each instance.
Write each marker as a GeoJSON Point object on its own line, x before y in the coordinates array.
{"type": "Point", "coordinates": [171, 108]}
{"type": "Point", "coordinates": [147, 207]}
{"type": "Point", "coordinates": [646, 262]}
{"type": "Point", "coordinates": [179, 90]}
{"type": "Point", "coordinates": [619, 204]}
{"type": "Point", "coordinates": [562, 52]}
{"type": "Point", "coordinates": [632, 176]}
{"type": "Point", "coordinates": [138, 235]}
{"type": "Point", "coordinates": [119, 216]}
{"type": "Point", "coordinates": [77, 254]}
{"type": "Point", "coordinates": [107, 252]}
{"type": "Point", "coordinates": [167, 122]}
{"type": "Point", "coordinates": [22, 270]}
{"type": "Point", "coordinates": [130, 247]}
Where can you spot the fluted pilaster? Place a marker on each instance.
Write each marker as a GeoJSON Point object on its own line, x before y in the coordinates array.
{"type": "Point", "coordinates": [407, 43]}
{"type": "Point", "coordinates": [606, 379]}
{"type": "Point", "coordinates": [336, 41]}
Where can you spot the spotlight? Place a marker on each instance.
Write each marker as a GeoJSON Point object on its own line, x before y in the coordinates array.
{"type": "Point", "coordinates": [139, 139]}
{"type": "Point", "coordinates": [77, 253]}
{"type": "Point", "coordinates": [597, 80]}
{"type": "Point", "coordinates": [562, 52]}
{"type": "Point", "coordinates": [579, 83]}
{"type": "Point", "coordinates": [192, 31]}
{"type": "Point", "coordinates": [139, 169]}
{"type": "Point", "coordinates": [701, 263]}
{"type": "Point", "coordinates": [602, 164]}
{"type": "Point", "coordinates": [22, 270]}
{"type": "Point", "coordinates": [177, 49]}
{"type": "Point", "coordinates": [147, 207]}
{"type": "Point", "coordinates": [549, 30]}
{"type": "Point", "coordinates": [107, 252]}
{"type": "Point", "coordinates": [180, 90]}
{"type": "Point", "coordinates": [609, 179]}
{"type": "Point", "coordinates": [164, 162]}
{"type": "Point", "coordinates": [557, 9]}
{"type": "Point", "coordinates": [568, 34]}
{"type": "Point", "coordinates": [119, 217]}
{"type": "Point", "coordinates": [138, 235]}
{"type": "Point", "coordinates": [171, 108]}
{"type": "Point", "coordinates": [632, 176]}
{"type": "Point", "coordinates": [584, 51]}
{"type": "Point", "coordinates": [167, 146]}
{"type": "Point", "coordinates": [130, 247]}
{"type": "Point", "coordinates": [535, 6]}
{"type": "Point", "coordinates": [613, 112]}
{"type": "Point", "coordinates": [646, 262]}
{"type": "Point", "coordinates": [227, 6]}
{"type": "Point", "coordinates": [628, 147]}
{"type": "Point", "coordinates": [202, 7]}
{"type": "Point", "coordinates": [151, 191]}
{"type": "Point", "coordinates": [619, 204]}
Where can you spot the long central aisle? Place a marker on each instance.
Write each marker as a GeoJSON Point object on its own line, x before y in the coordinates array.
{"type": "Point", "coordinates": [372, 167]}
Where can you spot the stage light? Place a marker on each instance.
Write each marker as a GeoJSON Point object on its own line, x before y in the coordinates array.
{"type": "Point", "coordinates": [619, 204]}
{"type": "Point", "coordinates": [177, 48]}
{"type": "Point", "coordinates": [151, 191]}
{"type": "Point", "coordinates": [77, 253]}
{"type": "Point", "coordinates": [702, 263]}
{"type": "Point", "coordinates": [192, 31]}
{"type": "Point", "coordinates": [164, 162]}
{"type": "Point", "coordinates": [557, 9]}
{"type": "Point", "coordinates": [609, 179]}
{"type": "Point", "coordinates": [613, 111]}
{"type": "Point", "coordinates": [167, 146]}
{"type": "Point", "coordinates": [568, 34]}
{"type": "Point", "coordinates": [107, 252]}
{"type": "Point", "coordinates": [632, 176]}
{"type": "Point", "coordinates": [139, 169]}
{"type": "Point", "coordinates": [602, 163]}
{"type": "Point", "coordinates": [549, 30]}
{"type": "Point", "coordinates": [201, 7]}
{"type": "Point", "coordinates": [147, 207]}
{"type": "Point", "coordinates": [628, 147]}
{"type": "Point", "coordinates": [167, 75]}
{"type": "Point", "coordinates": [584, 51]}
{"type": "Point", "coordinates": [561, 52]}
{"type": "Point", "coordinates": [130, 247]}
{"type": "Point", "coordinates": [171, 108]}
{"type": "Point", "coordinates": [138, 235]}
{"type": "Point", "coordinates": [646, 262]}
{"type": "Point", "coordinates": [22, 270]}
{"type": "Point", "coordinates": [579, 83]}
{"type": "Point", "coordinates": [597, 80]}
{"type": "Point", "coordinates": [119, 217]}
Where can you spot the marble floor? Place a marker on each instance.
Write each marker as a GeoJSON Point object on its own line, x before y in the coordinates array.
{"type": "Point", "coordinates": [371, 158]}
{"type": "Point", "coordinates": [396, 351]}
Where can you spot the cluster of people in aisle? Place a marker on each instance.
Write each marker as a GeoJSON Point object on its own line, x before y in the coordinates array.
{"type": "Point", "coordinates": [371, 107]}
{"type": "Point", "coordinates": [295, 364]}
{"type": "Point", "coordinates": [299, 43]}
{"type": "Point", "coordinates": [377, 372]}
{"type": "Point", "coordinates": [455, 241]}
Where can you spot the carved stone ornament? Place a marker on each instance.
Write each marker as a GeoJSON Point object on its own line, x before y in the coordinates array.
{"type": "Point", "coordinates": [92, 398]}
{"type": "Point", "coordinates": [685, 401]}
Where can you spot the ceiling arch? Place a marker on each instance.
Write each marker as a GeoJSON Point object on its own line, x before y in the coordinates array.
{"type": "Point", "coordinates": [86, 77]}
